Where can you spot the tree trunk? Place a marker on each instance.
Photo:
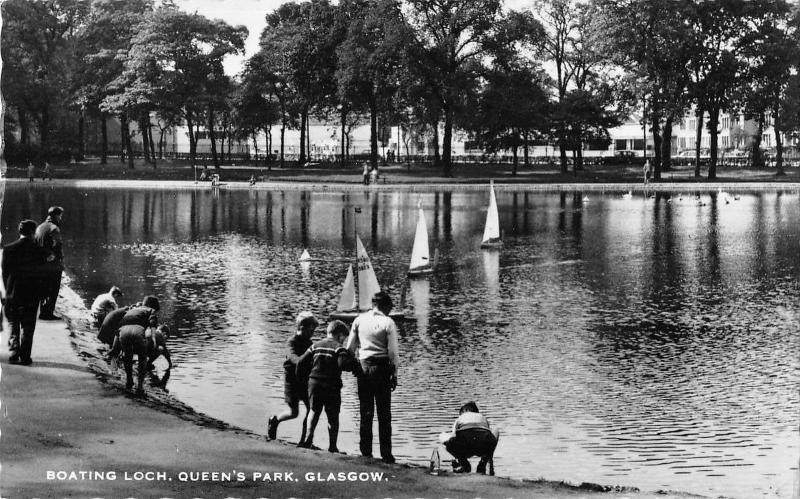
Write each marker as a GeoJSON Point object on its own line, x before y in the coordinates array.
{"type": "Point", "coordinates": [515, 163]}
{"type": "Point", "coordinates": [447, 142]}
{"type": "Point", "coordinates": [373, 133]}
{"type": "Point", "coordinates": [162, 133]}
{"type": "Point", "coordinates": [656, 124]}
{"type": "Point", "coordinates": [268, 145]}
{"type": "Point", "coordinates": [579, 157]}
{"type": "Point", "coordinates": [104, 138]}
{"type": "Point", "coordinates": [145, 141]}
{"type": "Point", "coordinates": [128, 145]}
{"type": "Point", "coordinates": [81, 136]}
{"type": "Point", "coordinates": [776, 127]}
{"type": "Point", "coordinates": [666, 149]}
{"type": "Point", "coordinates": [255, 145]}
{"type": "Point", "coordinates": [150, 139]}
{"type": "Point", "coordinates": [192, 140]}
{"type": "Point", "coordinates": [562, 150]}
{"type": "Point", "coordinates": [44, 131]}
{"type": "Point", "coordinates": [212, 137]}
{"type": "Point", "coordinates": [283, 136]}
{"type": "Point", "coordinates": [303, 117]}
{"type": "Point", "coordinates": [758, 158]}
{"type": "Point", "coordinates": [25, 137]}
{"type": "Point", "coordinates": [123, 125]}
{"type": "Point", "coordinates": [437, 160]}
{"type": "Point", "coordinates": [525, 150]}
{"type": "Point", "coordinates": [698, 137]}
{"type": "Point", "coordinates": [713, 121]}
{"type": "Point", "coordinates": [344, 122]}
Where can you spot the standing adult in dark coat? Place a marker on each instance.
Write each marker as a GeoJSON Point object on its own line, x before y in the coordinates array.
{"type": "Point", "coordinates": [48, 236]}
{"type": "Point", "coordinates": [22, 265]}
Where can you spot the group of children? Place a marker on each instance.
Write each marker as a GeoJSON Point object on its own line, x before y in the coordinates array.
{"type": "Point", "coordinates": [313, 375]}
{"type": "Point", "coordinates": [131, 331]}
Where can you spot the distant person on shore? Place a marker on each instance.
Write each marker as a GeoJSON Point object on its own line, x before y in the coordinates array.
{"type": "Point", "coordinates": [374, 338]}
{"type": "Point", "coordinates": [48, 236]}
{"type": "Point", "coordinates": [646, 173]}
{"type": "Point", "coordinates": [323, 364]}
{"type": "Point", "coordinates": [31, 172]}
{"type": "Point", "coordinates": [22, 265]}
{"type": "Point", "coordinates": [295, 390]}
{"type": "Point", "coordinates": [134, 335]}
{"type": "Point", "coordinates": [366, 173]}
{"type": "Point", "coordinates": [373, 176]}
{"type": "Point", "coordinates": [252, 180]}
{"type": "Point", "coordinates": [47, 173]}
{"type": "Point", "coordinates": [471, 436]}
{"type": "Point", "coordinates": [105, 304]}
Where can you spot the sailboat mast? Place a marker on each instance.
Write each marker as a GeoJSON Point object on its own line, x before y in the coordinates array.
{"type": "Point", "coordinates": [356, 211]}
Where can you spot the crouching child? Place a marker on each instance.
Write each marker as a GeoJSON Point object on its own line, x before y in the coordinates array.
{"type": "Point", "coordinates": [471, 436]}
{"type": "Point", "coordinates": [323, 364]}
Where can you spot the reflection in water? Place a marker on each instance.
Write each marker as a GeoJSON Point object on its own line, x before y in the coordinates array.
{"type": "Point", "coordinates": [642, 341]}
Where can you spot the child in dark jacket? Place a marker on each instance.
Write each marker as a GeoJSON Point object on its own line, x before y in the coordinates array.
{"type": "Point", "coordinates": [323, 363]}
{"type": "Point", "coordinates": [295, 389]}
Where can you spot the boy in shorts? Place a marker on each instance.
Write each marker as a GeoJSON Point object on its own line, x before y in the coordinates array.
{"type": "Point", "coordinates": [295, 390]}
{"type": "Point", "coordinates": [323, 363]}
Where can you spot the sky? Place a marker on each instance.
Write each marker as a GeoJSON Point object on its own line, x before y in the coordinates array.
{"type": "Point", "coordinates": [251, 13]}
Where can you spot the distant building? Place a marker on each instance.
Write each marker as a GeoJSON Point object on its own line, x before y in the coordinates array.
{"type": "Point", "coordinates": [325, 140]}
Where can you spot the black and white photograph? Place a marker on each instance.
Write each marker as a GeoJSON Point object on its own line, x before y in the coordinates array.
{"type": "Point", "coordinates": [423, 249]}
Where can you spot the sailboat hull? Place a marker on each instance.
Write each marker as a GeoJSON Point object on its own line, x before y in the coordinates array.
{"type": "Point", "coordinates": [420, 272]}
{"type": "Point", "coordinates": [492, 244]}
{"type": "Point", "coordinates": [350, 315]}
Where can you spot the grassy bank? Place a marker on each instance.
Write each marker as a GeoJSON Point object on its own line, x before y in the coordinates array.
{"type": "Point", "coordinates": [402, 174]}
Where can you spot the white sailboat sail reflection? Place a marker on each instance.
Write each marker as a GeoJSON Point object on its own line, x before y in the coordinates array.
{"type": "Point", "coordinates": [491, 268]}
{"type": "Point", "coordinates": [420, 299]}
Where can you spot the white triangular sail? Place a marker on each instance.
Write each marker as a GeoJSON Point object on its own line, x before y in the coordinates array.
{"type": "Point", "coordinates": [420, 255]}
{"type": "Point", "coordinates": [367, 280]}
{"type": "Point", "coordinates": [305, 256]}
{"type": "Point", "coordinates": [492, 230]}
{"type": "Point", "coordinates": [348, 299]}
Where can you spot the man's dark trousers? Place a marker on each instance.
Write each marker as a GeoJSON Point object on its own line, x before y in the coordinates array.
{"type": "Point", "coordinates": [52, 285]}
{"type": "Point", "coordinates": [375, 391]}
{"type": "Point", "coordinates": [22, 318]}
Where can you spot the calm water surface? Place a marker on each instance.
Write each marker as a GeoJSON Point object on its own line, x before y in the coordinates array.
{"type": "Point", "coordinates": [644, 342]}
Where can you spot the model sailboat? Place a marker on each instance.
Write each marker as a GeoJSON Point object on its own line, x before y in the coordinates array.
{"type": "Point", "coordinates": [491, 232]}
{"type": "Point", "coordinates": [420, 255]}
{"type": "Point", "coordinates": [358, 299]}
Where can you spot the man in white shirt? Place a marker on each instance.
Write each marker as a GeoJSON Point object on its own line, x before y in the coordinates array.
{"type": "Point", "coordinates": [374, 336]}
{"type": "Point", "coordinates": [104, 304]}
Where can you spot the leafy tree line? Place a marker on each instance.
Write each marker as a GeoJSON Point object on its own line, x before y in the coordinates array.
{"type": "Point", "coordinates": [562, 72]}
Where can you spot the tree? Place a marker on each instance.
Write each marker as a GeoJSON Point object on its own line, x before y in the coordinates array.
{"type": "Point", "coordinates": [176, 58]}
{"type": "Point", "coordinates": [452, 37]}
{"type": "Point", "coordinates": [370, 61]}
{"type": "Point", "coordinates": [771, 53]}
{"type": "Point", "coordinates": [109, 31]}
{"type": "Point", "coordinates": [653, 42]}
{"type": "Point", "coordinates": [39, 66]}
{"type": "Point", "coordinates": [512, 106]}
